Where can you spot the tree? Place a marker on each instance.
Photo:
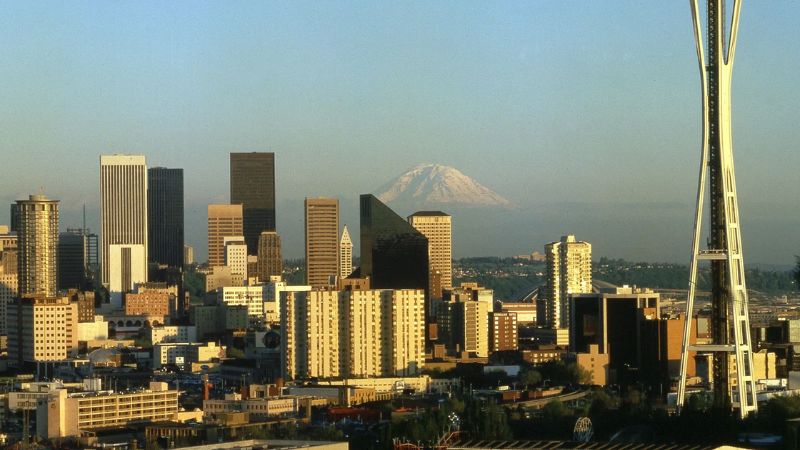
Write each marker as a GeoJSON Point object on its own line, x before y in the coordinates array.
{"type": "Point", "coordinates": [530, 378]}
{"type": "Point", "coordinates": [797, 273]}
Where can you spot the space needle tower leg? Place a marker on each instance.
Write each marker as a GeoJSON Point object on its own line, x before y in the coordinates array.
{"type": "Point", "coordinates": [730, 327]}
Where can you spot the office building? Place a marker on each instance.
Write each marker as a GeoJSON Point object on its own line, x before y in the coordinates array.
{"type": "Point", "coordinates": [568, 271]}
{"type": "Point", "coordinates": [393, 253]}
{"type": "Point", "coordinates": [78, 259]}
{"type": "Point", "coordinates": [236, 255]}
{"type": "Point", "coordinates": [62, 414]}
{"type": "Point", "coordinates": [14, 216]}
{"type": "Point", "coordinates": [188, 254]}
{"type": "Point", "coordinates": [186, 354]}
{"type": "Point", "coordinates": [123, 218]}
{"type": "Point", "coordinates": [345, 254]}
{"type": "Point", "coordinates": [437, 227]}
{"type": "Point", "coordinates": [9, 279]}
{"type": "Point", "coordinates": [503, 331]}
{"type": "Point", "coordinates": [172, 333]}
{"type": "Point", "coordinates": [41, 328]}
{"type": "Point", "coordinates": [37, 246]}
{"type": "Point", "coordinates": [148, 303]}
{"type": "Point", "coordinates": [223, 220]}
{"type": "Point", "coordinates": [270, 262]}
{"type": "Point", "coordinates": [253, 297]}
{"type": "Point", "coordinates": [253, 186]}
{"type": "Point", "coordinates": [463, 319]}
{"type": "Point", "coordinates": [371, 333]}
{"type": "Point", "coordinates": [612, 320]}
{"type": "Point", "coordinates": [85, 303]}
{"type": "Point", "coordinates": [322, 241]}
{"type": "Point", "coordinates": [165, 216]}
{"type": "Point", "coordinates": [127, 266]}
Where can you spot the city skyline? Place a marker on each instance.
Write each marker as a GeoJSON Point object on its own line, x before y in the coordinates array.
{"type": "Point", "coordinates": [496, 81]}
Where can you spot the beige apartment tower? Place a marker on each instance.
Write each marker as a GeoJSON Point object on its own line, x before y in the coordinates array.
{"type": "Point", "coordinates": [37, 246]}
{"type": "Point", "coordinates": [223, 220]}
{"type": "Point", "coordinates": [41, 328]}
{"type": "Point", "coordinates": [437, 227]}
{"type": "Point", "coordinates": [322, 241]}
{"type": "Point", "coordinates": [345, 254]}
{"type": "Point", "coordinates": [358, 333]}
{"type": "Point", "coordinates": [568, 271]}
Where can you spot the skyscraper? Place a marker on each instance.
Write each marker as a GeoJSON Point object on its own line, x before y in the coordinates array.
{"type": "Point", "coordinates": [345, 254]}
{"type": "Point", "coordinates": [437, 227]}
{"type": "Point", "coordinates": [568, 271]}
{"type": "Point", "coordinates": [71, 259]}
{"type": "Point", "coordinates": [123, 213]}
{"type": "Point", "coordinates": [9, 279]}
{"type": "Point", "coordinates": [223, 220]}
{"type": "Point", "coordinates": [37, 246]}
{"type": "Point", "coordinates": [270, 262]}
{"type": "Point", "coordinates": [393, 254]}
{"type": "Point", "coordinates": [165, 216]}
{"type": "Point", "coordinates": [253, 186]}
{"type": "Point", "coordinates": [322, 240]}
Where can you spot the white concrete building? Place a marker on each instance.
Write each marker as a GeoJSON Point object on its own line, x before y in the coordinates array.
{"type": "Point", "coordinates": [127, 267]}
{"type": "Point", "coordinates": [253, 297]}
{"type": "Point", "coordinates": [236, 255]}
{"type": "Point", "coordinates": [123, 214]}
{"type": "Point", "coordinates": [93, 331]}
{"type": "Point", "coordinates": [172, 333]}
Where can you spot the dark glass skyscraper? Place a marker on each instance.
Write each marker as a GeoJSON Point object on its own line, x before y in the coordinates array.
{"type": "Point", "coordinates": [253, 186]}
{"type": "Point", "coordinates": [165, 216]}
{"type": "Point", "coordinates": [71, 259]}
{"type": "Point", "coordinates": [393, 253]}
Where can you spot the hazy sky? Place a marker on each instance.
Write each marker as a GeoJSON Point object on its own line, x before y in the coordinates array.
{"type": "Point", "coordinates": [546, 102]}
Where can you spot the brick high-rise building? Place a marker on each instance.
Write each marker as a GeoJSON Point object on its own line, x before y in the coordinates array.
{"type": "Point", "coordinates": [503, 331]}
{"type": "Point", "coordinates": [223, 220]}
{"type": "Point", "coordinates": [252, 181]}
{"type": "Point", "coordinates": [322, 240]}
{"type": "Point", "coordinates": [270, 262]}
{"type": "Point", "coordinates": [37, 246]}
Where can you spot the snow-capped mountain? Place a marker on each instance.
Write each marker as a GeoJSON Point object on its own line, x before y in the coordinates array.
{"type": "Point", "coordinates": [434, 184]}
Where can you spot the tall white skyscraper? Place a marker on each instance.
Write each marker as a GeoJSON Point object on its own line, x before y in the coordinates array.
{"type": "Point", "coordinates": [123, 218]}
{"type": "Point", "coordinates": [345, 254]}
{"type": "Point", "coordinates": [569, 271]}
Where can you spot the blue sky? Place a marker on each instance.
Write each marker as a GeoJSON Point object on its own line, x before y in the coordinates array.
{"type": "Point", "coordinates": [546, 102]}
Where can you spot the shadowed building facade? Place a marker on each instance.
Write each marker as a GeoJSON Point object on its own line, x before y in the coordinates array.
{"type": "Point", "coordinates": [165, 216]}
{"type": "Point", "coordinates": [394, 255]}
{"type": "Point", "coordinates": [253, 186]}
{"type": "Point", "coordinates": [270, 262]}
